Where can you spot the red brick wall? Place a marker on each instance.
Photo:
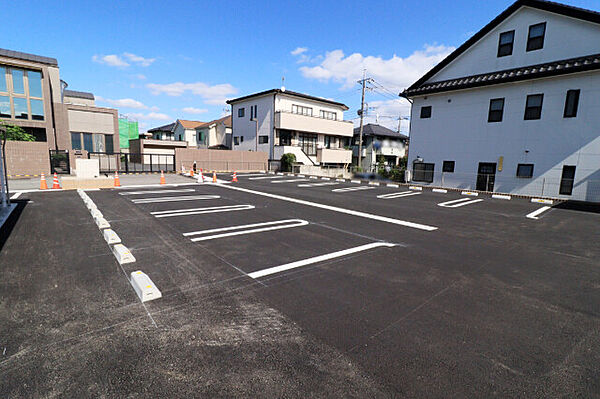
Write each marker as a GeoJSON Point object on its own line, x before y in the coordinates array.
{"type": "Point", "coordinates": [221, 160]}
{"type": "Point", "coordinates": [27, 158]}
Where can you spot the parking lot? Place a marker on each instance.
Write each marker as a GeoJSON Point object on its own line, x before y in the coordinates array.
{"type": "Point", "coordinates": [294, 286]}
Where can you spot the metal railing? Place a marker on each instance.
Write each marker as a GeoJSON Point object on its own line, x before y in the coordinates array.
{"type": "Point", "coordinates": [133, 162]}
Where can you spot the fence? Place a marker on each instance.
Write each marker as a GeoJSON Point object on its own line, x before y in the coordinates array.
{"type": "Point", "coordinates": [60, 162]}
{"type": "Point", "coordinates": [584, 188]}
{"type": "Point", "coordinates": [133, 162]}
{"type": "Point", "coordinates": [221, 160]}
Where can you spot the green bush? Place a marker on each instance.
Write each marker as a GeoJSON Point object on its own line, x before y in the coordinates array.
{"type": "Point", "coordinates": [287, 160]}
{"type": "Point", "coordinates": [16, 133]}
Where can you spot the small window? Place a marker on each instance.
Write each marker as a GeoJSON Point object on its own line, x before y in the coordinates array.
{"type": "Point", "coordinates": [236, 140]}
{"type": "Point", "coordinates": [20, 108]}
{"type": "Point", "coordinates": [298, 109]}
{"type": "Point", "coordinates": [17, 81]}
{"type": "Point", "coordinates": [76, 141]}
{"type": "Point", "coordinates": [263, 139]}
{"type": "Point", "coordinates": [426, 112]}
{"type": "Point", "coordinates": [571, 103]}
{"type": "Point", "coordinates": [253, 112]}
{"type": "Point", "coordinates": [37, 110]}
{"type": "Point", "coordinates": [496, 110]}
{"type": "Point", "coordinates": [423, 172]}
{"type": "Point", "coordinates": [535, 40]}
{"type": "Point", "coordinates": [328, 115]}
{"type": "Point", "coordinates": [3, 86]}
{"type": "Point", "coordinates": [88, 144]}
{"type": "Point", "coordinates": [110, 148]}
{"type": "Point", "coordinates": [34, 80]}
{"type": "Point", "coordinates": [567, 179]}
{"type": "Point", "coordinates": [327, 141]}
{"type": "Point", "coordinates": [505, 44]}
{"type": "Point", "coordinates": [533, 108]}
{"type": "Point", "coordinates": [5, 107]}
{"type": "Point", "coordinates": [241, 112]}
{"type": "Point", "coordinates": [448, 166]}
{"type": "Point", "coordinates": [525, 170]}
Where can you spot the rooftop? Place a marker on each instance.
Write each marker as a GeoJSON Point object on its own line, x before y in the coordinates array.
{"type": "Point", "coordinates": [165, 128]}
{"type": "Point", "coordinates": [79, 94]}
{"type": "Point", "coordinates": [225, 120]}
{"type": "Point", "coordinates": [288, 93]}
{"type": "Point", "coordinates": [372, 129]}
{"type": "Point", "coordinates": [28, 57]}
{"type": "Point", "coordinates": [189, 124]}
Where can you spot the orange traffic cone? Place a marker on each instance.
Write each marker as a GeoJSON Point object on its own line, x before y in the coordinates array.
{"type": "Point", "coordinates": [43, 185]}
{"type": "Point", "coordinates": [117, 181]}
{"type": "Point", "coordinates": [55, 184]}
{"type": "Point", "coordinates": [234, 177]}
{"type": "Point", "coordinates": [162, 178]}
{"type": "Point", "coordinates": [214, 176]}
{"type": "Point", "coordinates": [191, 172]}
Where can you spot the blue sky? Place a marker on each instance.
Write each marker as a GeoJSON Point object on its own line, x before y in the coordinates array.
{"type": "Point", "coordinates": [157, 61]}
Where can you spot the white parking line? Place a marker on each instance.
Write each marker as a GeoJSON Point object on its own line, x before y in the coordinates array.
{"type": "Point", "coordinates": [184, 190]}
{"type": "Point", "coordinates": [288, 181]}
{"type": "Point", "coordinates": [343, 190]}
{"type": "Point", "coordinates": [380, 218]}
{"type": "Point", "coordinates": [250, 174]}
{"type": "Point", "coordinates": [173, 199]}
{"type": "Point", "coordinates": [265, 177]}
{"type": "Point", "coordinates": [318, 184]}
{"type": "Point", "coordinates": [276, 225]}
{"type": "Point", "coordinates": [400, 194]}
{"type": "Point", "coordinates": [459, 202]}
{"type": "Point", "coordinates": [355, 181]}
{"type": "Point", "coordinates": [16, 195]}
{"type": "Point", "coordinates": [316, 259]}
{"type": "Point", "coordinates": [534, 214]}
{"type": "Point", "coordinates": [198, 211]}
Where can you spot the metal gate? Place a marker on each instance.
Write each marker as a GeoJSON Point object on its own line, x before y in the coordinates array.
{"type": "Point", "coordinates": [133, 162]}
{"type": "Point", "coordinates": [59, 162]}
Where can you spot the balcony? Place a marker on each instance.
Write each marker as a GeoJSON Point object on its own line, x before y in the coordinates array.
{"type": "Point", "coordinates": [304, 123]}
{"type": "Point", "coordinates": [328, 155]}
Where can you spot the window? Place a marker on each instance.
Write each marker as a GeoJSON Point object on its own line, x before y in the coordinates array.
{"type": "Point", "coordinates": [3, 86]}
{"type": "Point", "coordinates": [76, 141]}
{"type": "Point", "coordinates": [535, 40]}
{"type": "Point", "coordinates": [253, 112]}
{"type": "Point", "coordinates": [110, 147]}
{"type": "Point", "coordinates": [18, 77]}
{"type": "Point", "coordinates": [423, 172]}
{"type": "Point", "coordinates": [236, 140]}
{"type": "Point", "coordinates": [5, 107]}
{"type": "Point", "coordinates": [308, 143]}
{"type": "Point", "coordinates": [20, 105]}
{"type": "Point", "coordinates": [263, 139]}
{"type": "Point", "coordinates": [87, 142]}
{"type": "Point", "coordinates": [343, 142]}
{"type": "Point", "coordinates": [241, 112]}
{"type": "Point", "coordinates": [567, 179]}
{"type": "Point", "coordinates": [496, 110]}
{"type": "Point", "coordinates": [241, 139]}
{"type": "Point", "coordinates": [298, 109]}
{"type": "Point", "coordinates": [201, 138]}
{"type": "Point", "coordinates": [285, 138]}
{"type": "Point", "coordinates": [34, 80]}
{"type": "Point", "coordinates": [505, 44]}
{"type": "Point", "coordinates": [328, 115]}
{"type": "Point", "coordinates": [571, 104]}
{"type": "Point", "coordinates": [327, 141]}
{"type": "Point", "coordinates": [525, 170]}
{"type": "Point", "coordinates": [448, 166]}
{"type": "Point", "coordinates": [533, 108]}
{"type": "Point", "coordinates": [37, 110]}
{"type": "Point", "coordinates": [426, 112]}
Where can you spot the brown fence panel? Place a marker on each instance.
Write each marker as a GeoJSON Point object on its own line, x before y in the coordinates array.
{"type": "Point", "coordinates": [27, 158]}
{"type": "Point", "coordinates": [221, 160]}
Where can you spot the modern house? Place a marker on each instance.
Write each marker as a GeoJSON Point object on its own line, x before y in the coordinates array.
{"type": "Point", "coordinates": [165, 132]}
{"type": "Point", "coordinates": [379, 141]}
{"type": "Point", "coordinates": [185, 130]}
{"type": "Point", "coordinates": [33, 96]}
{"type": "Point", "coordinates": [516, 108]}
{"type": "Point", "coordinates": [280, 121]}
{"type": "Point", "coordinates": [215, 134]}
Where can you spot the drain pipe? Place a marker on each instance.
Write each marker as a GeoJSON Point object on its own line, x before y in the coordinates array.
{"type": "Point", "coordinates": [3, 174]}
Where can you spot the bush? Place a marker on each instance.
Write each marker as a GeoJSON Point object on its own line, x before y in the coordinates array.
{"type": "Point", "coordinates": [287, 160]}
{"type": "Point", "coordinates": [16, 133]}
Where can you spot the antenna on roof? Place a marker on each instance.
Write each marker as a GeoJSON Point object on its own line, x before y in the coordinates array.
{"type": "Point", "coordinates": [282, 83]}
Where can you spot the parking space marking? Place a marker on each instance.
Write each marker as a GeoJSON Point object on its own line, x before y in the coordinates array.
{"type": "Point", "coordinates": [318, 184]}
{"type": "Point", "coordinates": [288, 181]}
{"type": "Point", "coordinates": [246, 229]}
{"type": "Point", "coordinates": [173, 199]}
{"type": "Point", "coordinates": [265, 177]}
{"type": "Point", "coordinates": [316, 259]}
{"type": "Point", "coordinates": [459, 202]}
{"type": "Point", "coordinates": [380, 218]}
{"type": "Point", "coordinates": [250, 174]}
{"type": "Point", "coordinates": [537, 212]}
{"type": "Point", "coordinates": [343, 190]}
{"type": "Point", "coordinates": [183, 190]}
{"type": "Point", "coordinates": [400, 194]}
{"type": "Point", "coordinates": [16, 195]}
{"type": "Point", "coordinates": [198, 211]}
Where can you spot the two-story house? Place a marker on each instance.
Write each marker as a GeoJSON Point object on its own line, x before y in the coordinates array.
{"type": "Point", "coordinates": [185, 130]}
{"type": "Point", "coordinates": [379, 141]}
{"type": "Point", "coordinates": [215, 134]}
{"type": "Point", "coordinates": [516, 108]}
{"type": "Point", "coordinates": [280, 121]}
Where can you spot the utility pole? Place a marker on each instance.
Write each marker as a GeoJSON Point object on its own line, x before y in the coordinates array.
{"type": "Point", "coordinates": [363, 82]}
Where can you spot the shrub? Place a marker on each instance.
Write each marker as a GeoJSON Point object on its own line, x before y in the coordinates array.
{"type": "Point", "coordinates": [16, 133]}
{"type": "Point", "coordinates": [287, 160]}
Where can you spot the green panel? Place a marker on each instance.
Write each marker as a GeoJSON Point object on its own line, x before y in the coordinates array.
{"type": "Point", "coordinates": [134, 132]}
{"type": "Point", "coordinates": [123, 133]}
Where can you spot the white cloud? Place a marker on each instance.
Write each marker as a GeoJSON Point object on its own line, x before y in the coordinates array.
{"type": "Point", "coordinates": [395, 73]}
{"type": "Point", "coordinates": [110, 60]}
{"type": "Point", "coordinates": [192, 110]}
{"type": "Point", "coordinates": [150, 116]}
{"type": "Point", "coordinates": [140, 76]}
{"type": "Point", "coordinates": [137, 59]}
{"type": "Point", "coordinates": [125, 103]}
{"type": "Point", "coordinates": [216, 94]}
{"type": "Point", "coordinates": [299, 50]}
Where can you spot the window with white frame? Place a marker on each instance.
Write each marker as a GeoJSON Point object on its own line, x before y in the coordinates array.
{"type": "Point", "coordinates": [299, 109]}
{"type": "Point", "coordinates": [328, 115]}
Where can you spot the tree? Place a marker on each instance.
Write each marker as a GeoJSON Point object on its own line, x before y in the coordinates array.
{"type": "Point", "coordinates": [287, 160]}
{"type": "Point", "coordinates": [15, 133]}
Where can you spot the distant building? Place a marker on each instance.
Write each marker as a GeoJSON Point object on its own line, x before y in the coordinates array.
{"type": "Point", "coordinates": [215, 134]}
{"type": "Point", "coordinates": [185, 130]}
{"type": "Point", "coordinates": [515, 108]}
{"type": "Point", "coordinates": [165, 132]}
{"type": "Point", "coordinates": [379, 141]}
{"type": "Point", "coordinates": [280, 121]}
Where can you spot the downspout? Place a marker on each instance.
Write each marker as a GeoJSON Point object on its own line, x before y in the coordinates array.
{"type": "Point", "coordinates": [404, 95]}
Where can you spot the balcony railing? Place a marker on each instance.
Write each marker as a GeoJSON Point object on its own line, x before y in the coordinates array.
{"type": "Point", "coordinates": [313, 124]}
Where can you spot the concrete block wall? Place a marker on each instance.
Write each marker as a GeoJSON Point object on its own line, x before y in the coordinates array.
{"type": "Point", "coordinates": [221, 160]}
{"type": "Point", "coordinates": [27, 158]}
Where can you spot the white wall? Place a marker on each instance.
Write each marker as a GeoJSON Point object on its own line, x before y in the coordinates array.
{"type": "Point", "coordinates": [458, 130]}
{"type": "Point", "coordinates": [284, 103]}
{"type": "Point", "coordinates": [565, 38]}
{"type": "Point", "coordinates": [91, 122]}
{"type": "Point", "coordinates": [188, 135]}
{"type": "Point", "coordinates": [244, 127]}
